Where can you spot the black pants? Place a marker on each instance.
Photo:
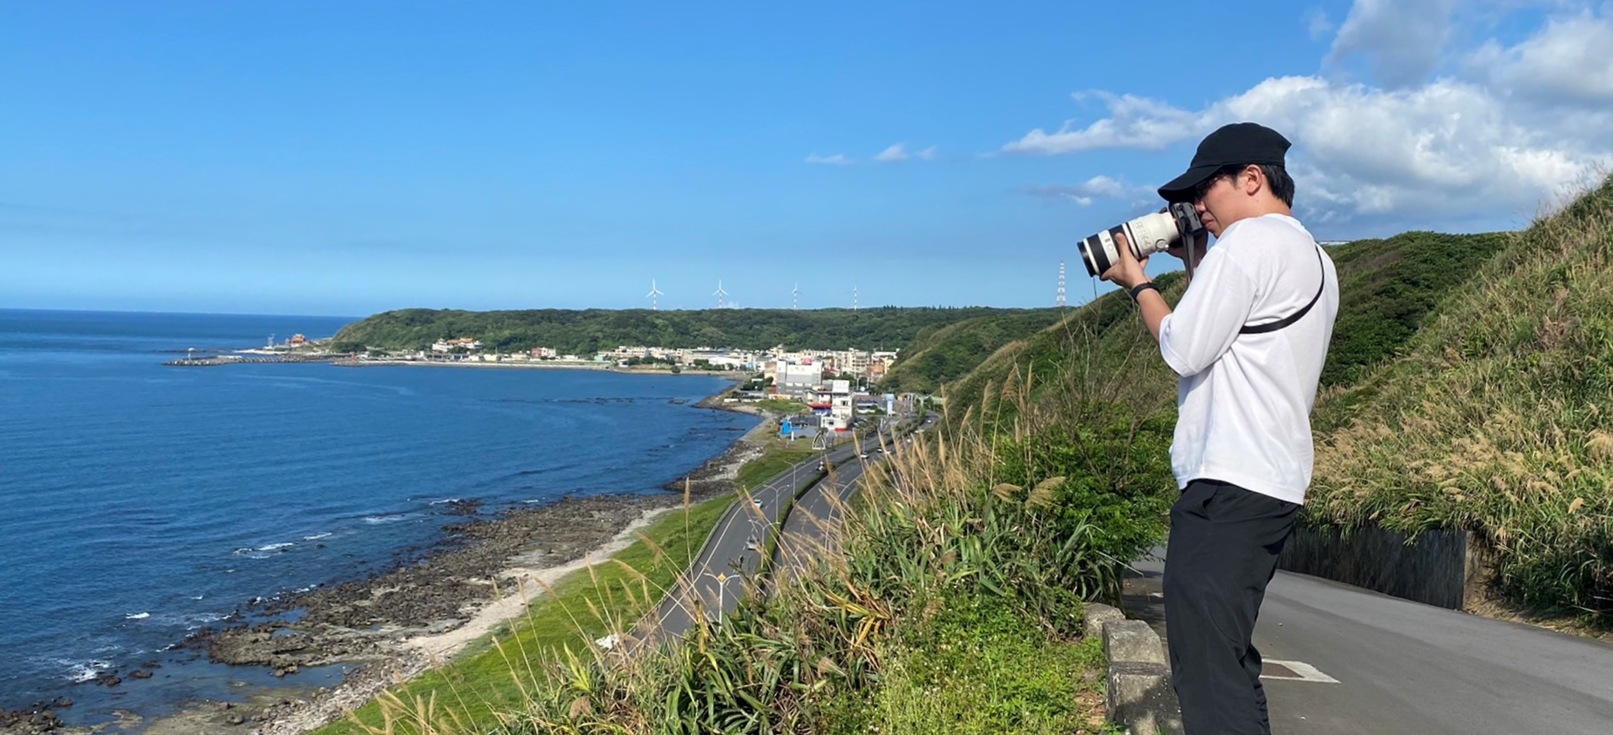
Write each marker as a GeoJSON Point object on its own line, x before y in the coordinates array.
{"type": "Point", "coordinates": [1223, 548]}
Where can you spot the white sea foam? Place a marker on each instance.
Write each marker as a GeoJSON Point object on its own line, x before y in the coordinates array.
{"type": "Point", "coordinates": [137, 616]}
{"type": "Point", "coordinates": [378, 520]}
{"type": "Point", "coordinates": [317, 536]}
{"type": "Point", "coordinates": [445, 501]}
{"type": "Point", "coordinates": [82, 671]}
{"type": "Point", "coordinates": [263, 552]}
{"type": "Point", "coordinates": [189, 621]}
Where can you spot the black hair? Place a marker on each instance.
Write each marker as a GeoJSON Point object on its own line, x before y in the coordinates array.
{"type": "Point", "coordinates": [1277, 179]}
{"type": "Point", "coordinates": [1282, 185]}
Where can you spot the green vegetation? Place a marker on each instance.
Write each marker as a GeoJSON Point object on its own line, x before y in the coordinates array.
{"type": "Point", "coordinates": [940, 542]}
{"type": "Point", "coordinates": [1386, 289]}
{"type": "Point", "coordinates": [587, 332]}
{"type": "Point", "coordinates": [777, 456]}
{"type": "Point", "coordinates": [1498, 419]}
{"type": "Point", "coordinates": [782, 406]}
{"type": "Point", "coordinates": [976, 666]}
{"type": "Point", "coordinates": [496, 676]}
{"type": "Point", "coordinates": [944, 353]}
{"type": "Point", "coordinates": [960, 557]}
{"type": "Point", "coordinates": [1100, 351]}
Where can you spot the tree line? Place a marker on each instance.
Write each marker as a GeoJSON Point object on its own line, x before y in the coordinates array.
{"type": "Point", "coordinates": [585, 332]}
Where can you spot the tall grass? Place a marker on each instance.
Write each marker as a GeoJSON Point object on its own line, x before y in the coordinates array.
{"type": "Point", "coordinates": [1498, 419]}
{"type": "Point", "coordinates": [959, 574]}
{"type": "Point", "coordinates": [496, 675]}
{"type": "Point", "coordinates": [1031, 504]}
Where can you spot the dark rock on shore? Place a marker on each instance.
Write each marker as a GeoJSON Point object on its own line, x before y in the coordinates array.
{"type": "Point", "coordinates": [38, 719]}
{"type": "Point", "coordinates": [362, 620]}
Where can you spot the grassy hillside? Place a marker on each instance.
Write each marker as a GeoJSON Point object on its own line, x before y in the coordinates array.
{"type": "Point", "coordinates": [941, 354]}
{"type": "Point", "coordinates": [1498, 418]}
{"type": "Point", "coordinates": [1387, 289]}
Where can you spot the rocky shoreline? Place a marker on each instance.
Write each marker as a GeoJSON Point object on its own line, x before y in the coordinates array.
{"type": "Point", "coordinates": [374, 624]}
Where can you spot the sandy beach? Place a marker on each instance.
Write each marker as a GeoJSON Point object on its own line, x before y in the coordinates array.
{"type": "Point", "coordinates": [396, 625]}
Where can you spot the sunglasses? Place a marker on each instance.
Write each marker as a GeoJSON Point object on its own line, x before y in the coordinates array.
{"type": "Point", "coordinates": [1204, 187]}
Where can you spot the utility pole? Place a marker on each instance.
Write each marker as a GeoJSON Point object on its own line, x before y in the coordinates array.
{"type": "Point", "coordinates": [1059, 300]}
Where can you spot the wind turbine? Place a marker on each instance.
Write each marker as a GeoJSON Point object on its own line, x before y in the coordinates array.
{"type": "Point", "coordinates": [654, 295]}
{"type": "Point", "coordinates": [719, 293]}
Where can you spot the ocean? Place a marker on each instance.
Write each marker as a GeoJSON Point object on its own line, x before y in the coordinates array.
{"type": "Point", "coordinates": [140, 502]}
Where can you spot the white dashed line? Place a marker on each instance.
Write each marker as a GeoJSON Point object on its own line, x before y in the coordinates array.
{"type": "Point", "coordinates": [1302, 672]}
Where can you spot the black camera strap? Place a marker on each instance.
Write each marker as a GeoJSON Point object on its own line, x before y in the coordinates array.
{"type": "Point", "coordinates": [1290, 319]}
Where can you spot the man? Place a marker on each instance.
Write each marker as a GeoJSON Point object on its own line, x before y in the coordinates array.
{"type": "Point", "coordinates": [1248, 340]}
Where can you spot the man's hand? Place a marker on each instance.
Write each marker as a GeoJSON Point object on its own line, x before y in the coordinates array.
{"type": "Point", "coordinates": [1128, 269]}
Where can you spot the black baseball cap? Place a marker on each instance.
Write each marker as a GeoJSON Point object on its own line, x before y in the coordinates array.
{"type": "Point", "coordinates": [1236, 144]}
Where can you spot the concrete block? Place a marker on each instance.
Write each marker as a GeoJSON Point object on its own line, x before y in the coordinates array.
{"type": "Point", "coordinates": [1132, 641]}
{"type": "Point", "coordinates": [1096, 614]}
{"type": "Point", "coordinates": [1140, 699]}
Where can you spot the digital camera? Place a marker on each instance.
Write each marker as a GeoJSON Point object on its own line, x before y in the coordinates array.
{"type": "Point", "coordinates": [1148, 234]}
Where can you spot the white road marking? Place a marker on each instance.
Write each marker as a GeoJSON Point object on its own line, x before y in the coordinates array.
{"type": "Point", "coordinates": [1305, 671]}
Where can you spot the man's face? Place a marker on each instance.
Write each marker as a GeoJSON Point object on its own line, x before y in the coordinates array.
{"type": "Point", "coordinates": [1212, 196]}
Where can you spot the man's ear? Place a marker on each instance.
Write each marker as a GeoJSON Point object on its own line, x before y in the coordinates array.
{"type": "Point", "coordinates": [1251, 180]}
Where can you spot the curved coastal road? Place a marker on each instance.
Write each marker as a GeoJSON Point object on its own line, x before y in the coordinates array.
{"type": "Point", "coordinates": [717, 575]}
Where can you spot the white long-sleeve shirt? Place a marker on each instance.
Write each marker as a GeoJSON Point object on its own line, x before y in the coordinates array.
{"type": "Point", "coordinates": [1244, 400]}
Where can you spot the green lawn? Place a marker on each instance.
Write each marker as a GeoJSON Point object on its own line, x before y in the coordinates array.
{"type": "Point", "coordinates": [781, 405]}
{"type": "Point", "coordinates": [488, 679]}
{"type": "Point", "coordinates": [777, 457]}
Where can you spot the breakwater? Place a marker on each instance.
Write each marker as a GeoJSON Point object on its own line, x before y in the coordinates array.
{"type": "Point", "coordinates": [214, 360]}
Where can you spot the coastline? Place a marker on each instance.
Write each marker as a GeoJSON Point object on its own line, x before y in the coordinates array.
{"type": "Point", "coordinates": [538, 365]}
{"type": "Point", "coordinates": [395, 625]}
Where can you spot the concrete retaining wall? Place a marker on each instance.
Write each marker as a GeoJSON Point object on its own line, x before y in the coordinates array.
{"type": "Point", "coordinates": [1442, 567]}
{"type": "Point", "coordinates": [1139, 696]}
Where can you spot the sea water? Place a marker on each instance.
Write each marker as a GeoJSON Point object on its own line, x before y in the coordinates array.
{"type": "Point", "coordinates": [140, 502]}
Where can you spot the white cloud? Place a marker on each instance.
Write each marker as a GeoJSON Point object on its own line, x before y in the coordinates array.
{"type": "Point", "coordinates": [1084, 193]}
{"type": "Point", "coordinates": [1449, 147]}
{"type": "Point", "coordinates": [837, 159]}
{"type": "Point", "coordinates": [898, 153]}
{"type": "Point", "coordinates": [1528, 121]}
{"type": "Point", "coordinates": [1401, 40]}
{"type": "Point", "coordinates": [1570, 60]}
{"type": "Point", "coordinates": [1133, 122]}
{"type": "Point", "coordinates": [1317, 24]}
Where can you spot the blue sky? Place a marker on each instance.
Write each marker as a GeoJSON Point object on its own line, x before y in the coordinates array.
{"type": "Point", "coordinates": [352, 157]}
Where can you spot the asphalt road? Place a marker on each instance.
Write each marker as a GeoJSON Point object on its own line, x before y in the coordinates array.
{"type": "Point", "coordinates": [1404, 667]}
{"type": "Point", "coordinates": [718, 574]}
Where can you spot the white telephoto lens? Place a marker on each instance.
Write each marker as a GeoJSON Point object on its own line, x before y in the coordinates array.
{"type": "Point", "coordinates": [1152, 233]}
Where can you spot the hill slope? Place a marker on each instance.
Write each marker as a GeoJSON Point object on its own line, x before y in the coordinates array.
{"type": "Point", "coordinates": [587, 331]}
{"type": "Point", "coordinates": [1101, 351]}
{"type": "Point", "coordinates": [1498, 419]}
{"type": "Point", "coordinates": [938, 355]}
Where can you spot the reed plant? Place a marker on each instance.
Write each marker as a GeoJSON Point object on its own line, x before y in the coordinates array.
{"type": "Point", "coordinates": [1497, 419]}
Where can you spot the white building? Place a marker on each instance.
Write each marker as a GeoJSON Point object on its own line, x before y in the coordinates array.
{"type": "Point", "coordinates": [448, 345]}
{"type": "Point", "coordinates": [798, 379]}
